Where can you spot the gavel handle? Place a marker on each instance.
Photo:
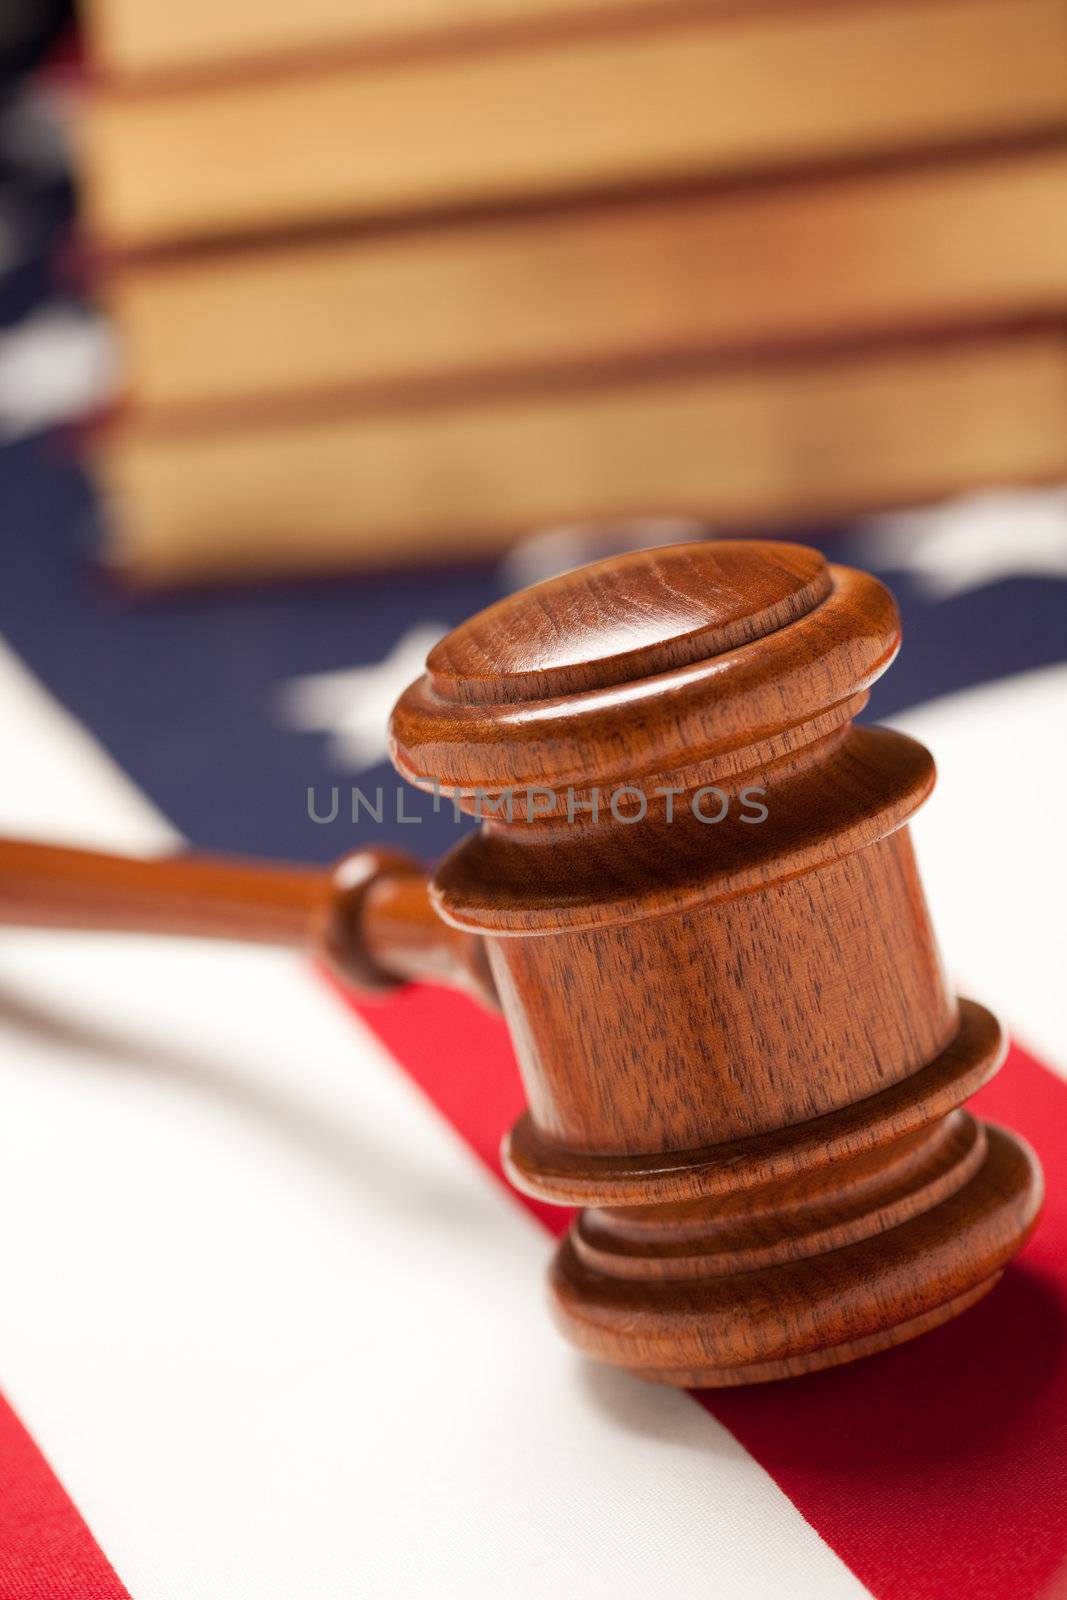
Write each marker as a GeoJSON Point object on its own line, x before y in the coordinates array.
{"type": "Point", "coordinates": [370, 917]}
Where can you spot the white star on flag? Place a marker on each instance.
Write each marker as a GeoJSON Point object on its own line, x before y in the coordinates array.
{"type": "Point", "coordinates": [974, 541]}
{"type": "Point", "coordinates": [352, 706]}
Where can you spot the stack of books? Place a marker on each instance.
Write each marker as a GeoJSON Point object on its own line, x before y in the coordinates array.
{"type": "Point", "coordinates": [407, 278]}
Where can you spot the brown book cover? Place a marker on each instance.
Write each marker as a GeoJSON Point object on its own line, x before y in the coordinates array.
{"type": "Point", "coordinates": [606, 287]}
{"type": "Point", "coordinates": [687, 98]}
{"type": "Point", "coordinates": [131, 38]}
{"type": "Point", "coordinates": [778, 442]}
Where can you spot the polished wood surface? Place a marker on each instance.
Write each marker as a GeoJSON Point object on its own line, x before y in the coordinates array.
{"type": "Point", "coordinates": [693, 891]}
{"type": "Point", "coordinates": [369, 917]}
{"type": "Point", "coordinates": [739, 1047]}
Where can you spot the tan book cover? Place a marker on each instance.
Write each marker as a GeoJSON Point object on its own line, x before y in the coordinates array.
{"type": "Point", "coordinates": [682, 100]}
{"type": "Point", "coordinates": [776, 443]}
{"type": "Point", "coordinates": [949, 242]}
{"type": "Point", "coordinates": [137, 38]}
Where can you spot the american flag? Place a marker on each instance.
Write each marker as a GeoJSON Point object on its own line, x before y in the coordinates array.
{"type": "Point", "coordinates": [271, 1324]}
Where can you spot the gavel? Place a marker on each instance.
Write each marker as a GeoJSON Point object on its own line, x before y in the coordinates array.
{"type": "Point", "coordinates": [693, 895]}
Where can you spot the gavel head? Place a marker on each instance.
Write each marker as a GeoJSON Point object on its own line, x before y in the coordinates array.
{"type": "Point", "coordinates": [703, 916]}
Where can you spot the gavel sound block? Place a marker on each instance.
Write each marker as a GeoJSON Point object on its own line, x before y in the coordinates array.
{"type": "Point", "coordinates": [693, 892]}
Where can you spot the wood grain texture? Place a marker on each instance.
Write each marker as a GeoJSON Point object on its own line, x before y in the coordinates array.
{"type": "Point", "coordinates": [370, 917]}
{"type": "Point", "coordinates": [736, 1036]}
{"type": "Point", "coordinates": [828, 1307]}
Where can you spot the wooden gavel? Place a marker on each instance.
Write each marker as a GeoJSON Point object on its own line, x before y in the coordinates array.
{"type": "Point", "coordinates": [694, 895]}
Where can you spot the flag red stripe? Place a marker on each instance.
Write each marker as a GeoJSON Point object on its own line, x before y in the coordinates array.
{"type": "Point", "coordinates": [934, 1469]}
{"type": "Point", "coordinates": [46, 1551]}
